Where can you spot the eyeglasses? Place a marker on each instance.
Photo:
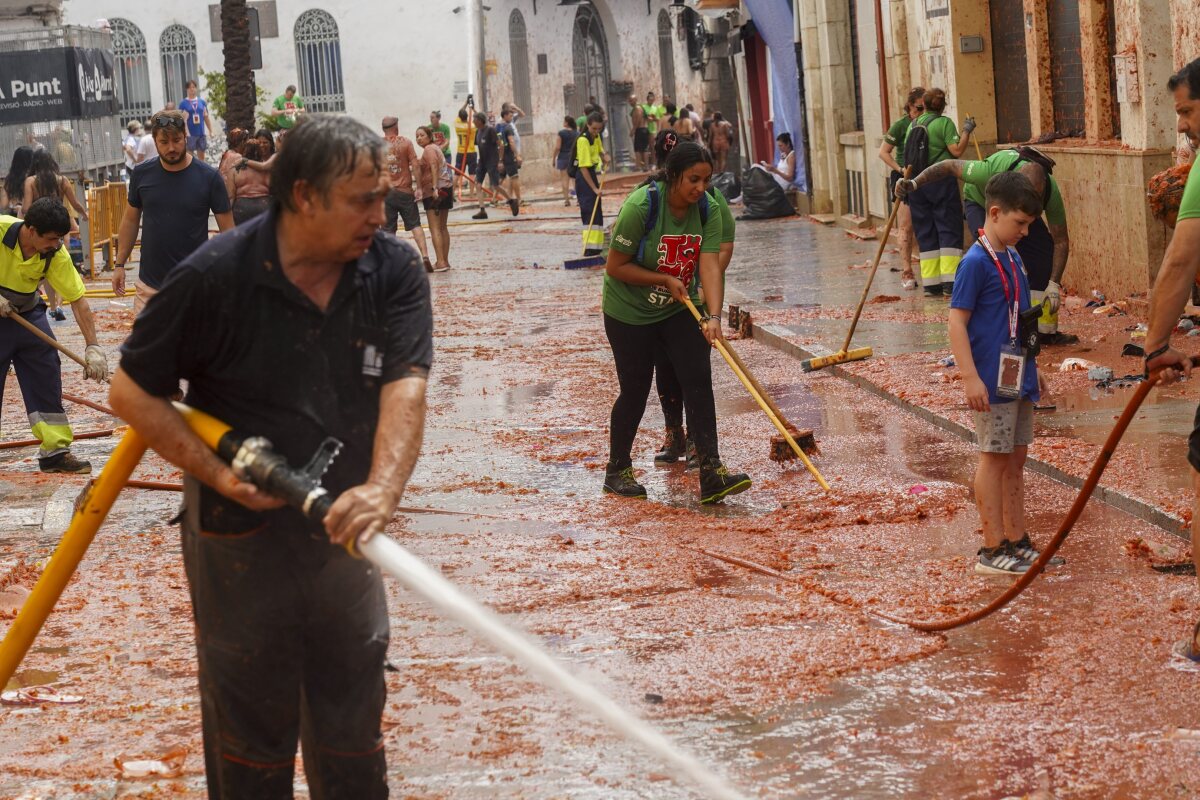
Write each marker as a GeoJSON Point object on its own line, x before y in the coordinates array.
{"type": "Point", "coordinates": [167, 121]}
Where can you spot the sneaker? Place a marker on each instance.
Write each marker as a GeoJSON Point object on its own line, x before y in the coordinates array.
{"type": "Point", "coordinates": [1025, 549]}
{"type": "Point", "coordinates": [693, 460]}
{"type": "Point", "coordinates": [933, 291]}
{"type": "Point", "coordinates": [515, 206]}
{"type": "Point", "coordinates": [428, 264]}
{"type": "Point", "coordinates": [442, 268]}
{"type": "Point", "coordinates": [64, 462]}
{"type": "Point", "coordinates": [908, 283]}
{"type": "Point", "coordinates": [1001, 560]}
{"type": "Point", "coordinates": [1189, 648]}
{"type": "Point", "coordinates": [717, 483]}
{"type": "Point", "coordinates": [59, 315]}
{"type": "Point", "coordinates": [673, 447]}
{"type": "Point", "coordinates": [481, 215]}
{"type": "Point", "coordinates": [623, 482]}
{"type": "Point", "coordinates": [1052, 339]}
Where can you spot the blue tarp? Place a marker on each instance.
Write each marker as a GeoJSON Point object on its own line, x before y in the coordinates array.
{"type": "Point", "coordinates": [774, 23]}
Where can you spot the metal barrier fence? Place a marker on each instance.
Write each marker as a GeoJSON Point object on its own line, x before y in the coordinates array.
{"type": "Point", "coordinates": [106, 206]}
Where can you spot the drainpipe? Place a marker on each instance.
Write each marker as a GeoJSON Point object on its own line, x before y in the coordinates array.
{"type": "Point", "coordinates": [883, 81]}
{"type": "Point", "coordinates": [476, 77]}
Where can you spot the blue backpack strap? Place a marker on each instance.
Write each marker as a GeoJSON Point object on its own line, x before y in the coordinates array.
{"type": "Point", "coordinates": [651, 218]}
{"type": "Point", "coordinates": [704, 204]}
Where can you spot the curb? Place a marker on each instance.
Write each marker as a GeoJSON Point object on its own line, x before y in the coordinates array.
{"type": "Point", "coordinates": [775, 337]}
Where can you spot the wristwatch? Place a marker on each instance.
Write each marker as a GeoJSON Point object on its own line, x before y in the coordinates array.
{"type": "Point", "coordinates": [118, 266]}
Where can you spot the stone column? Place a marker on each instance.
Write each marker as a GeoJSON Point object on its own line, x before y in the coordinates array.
{"type": "Point", "coordinates": [1037, 49]}
{"type": "Point", "coordinates": [1097, 91]}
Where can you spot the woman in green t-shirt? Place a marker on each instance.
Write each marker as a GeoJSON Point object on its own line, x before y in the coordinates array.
{"type": "Point", "coordinates": [894, 158]}
{"type": "Point", "coordinates": [677, 444]}
{"type": "Point", "coordinates": [665, 244]}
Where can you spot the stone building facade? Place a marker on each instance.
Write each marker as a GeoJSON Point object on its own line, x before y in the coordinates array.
{"type": "Point", "coordinates": [1085, 77]}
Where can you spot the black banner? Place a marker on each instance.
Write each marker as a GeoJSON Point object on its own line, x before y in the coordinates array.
{"type": "Point", "coordinates": [60, 83]}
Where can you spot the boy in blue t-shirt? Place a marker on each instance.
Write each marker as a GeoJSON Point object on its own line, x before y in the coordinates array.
{"type": "Point", "coordinates": [999, 378]}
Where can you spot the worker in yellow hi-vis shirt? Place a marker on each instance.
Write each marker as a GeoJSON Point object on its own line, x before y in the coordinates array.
{"type": "Point", "coordinates": [589, 159]}
{"type": "Point", "coordinates": [32, 250]}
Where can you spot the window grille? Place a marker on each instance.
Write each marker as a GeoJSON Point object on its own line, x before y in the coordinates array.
{"type": "Point", "coordinates": [319, 60]}
{"type": "Point", "coordinates": [178, 48]}
{"type": "Point", "coordinates": [132, 71]}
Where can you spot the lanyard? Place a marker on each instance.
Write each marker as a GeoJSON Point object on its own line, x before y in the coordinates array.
{"type": "Point", "coordinates": [1016, 298]}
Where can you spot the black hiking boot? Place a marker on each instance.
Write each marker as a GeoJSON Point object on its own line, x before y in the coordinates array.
{"type": "Point", "coordinates": [693, 460]}
{"type": "Point", "coordinates": [481, 214]}
{"type": "Point", "coordinates": [717, 482]}
{"type": "Point", "coordinates": [673, 447]}
{"type": "Point", "coordinates": [64, 462]}
{"type": "Point", "coordinates": [622, 482]}
{"type": "Point", "coordinates": [933, 291]}
{"type": "Point", "coordinates": [1057, 339]}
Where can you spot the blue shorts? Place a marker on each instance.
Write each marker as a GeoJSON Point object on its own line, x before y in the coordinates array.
{"type": "Point", "coordinates": [195, 143]}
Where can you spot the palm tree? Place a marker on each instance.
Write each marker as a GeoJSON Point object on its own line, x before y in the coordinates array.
{"type": "Point", "coordinates": [240, 97]}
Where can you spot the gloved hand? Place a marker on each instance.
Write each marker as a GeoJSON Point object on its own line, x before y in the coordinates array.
{"type": "Point", "coordinates": [97, 364]}
{"type": "Point", "coordinates": [904, 186]}
{"type": "Point", "coordinates": [1053, 295]}
{"type": "Point", "coordinates": [968, 124]}
{"type": "Point", "coordinates": [6, 307]}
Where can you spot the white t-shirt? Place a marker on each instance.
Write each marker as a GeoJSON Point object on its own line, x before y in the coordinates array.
{"type": "Point", "coordinates": [132, 143]}
{"type": "Point", "coordinates": [146, 150]}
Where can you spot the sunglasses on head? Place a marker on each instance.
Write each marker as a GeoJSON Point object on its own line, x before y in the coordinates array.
{"type": "Point", "coordinates": [167, 121]}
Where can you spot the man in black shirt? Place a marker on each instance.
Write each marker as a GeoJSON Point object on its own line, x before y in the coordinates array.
{"type": "Point", "coordinates": [303, 323]}
{"type": "Point", "coordinates": [487, 145]}
{"type": "Point", "coordinates": [175, 192]}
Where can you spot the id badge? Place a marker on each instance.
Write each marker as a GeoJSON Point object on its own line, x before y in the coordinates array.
{"type": "Point", "coordinates": [195, 119]}
{"type": "Point", "coordinates": [1012, 372]}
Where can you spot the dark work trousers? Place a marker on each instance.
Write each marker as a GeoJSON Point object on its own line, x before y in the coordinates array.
{"type": "Point", "coordinates": [593, 234]}
{"type": "Point", "coordinates": [937, 223]}
{"type": "Point", "coordinates": [1036, 250]}
{"type": "Point", "coordinates": [39, 374]}
{"type": "Point", "coordinates": [291, 634]}
{"type": "Point", "coordinates": [634, 348]}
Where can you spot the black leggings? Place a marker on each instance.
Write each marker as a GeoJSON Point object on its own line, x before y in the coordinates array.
{"type": "Point", "coordinates": [634, 347]}
{"type": "Point", "coordinates": [670, 393]}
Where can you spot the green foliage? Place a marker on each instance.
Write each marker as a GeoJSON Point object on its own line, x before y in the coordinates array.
{"type": "Point", "coordinates": [214, 91]}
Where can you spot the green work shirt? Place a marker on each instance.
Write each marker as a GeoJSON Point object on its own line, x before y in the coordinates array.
{"type": "Point", "coordinates": [581, 122]}
{"type": "Point", "coordinates": [976, 174]}
{"type": "Point", "coordinates": [658, 111]}
{"type": "Point", "coordinates": [442, 130]}
{"type": "Point", "coordinates": [1189, 206]}
{"type": "Point", "coordinates": [942, 133]}
{"type": "Point", "coordinates": [728, 226]}
{"type": "Point", "coordinates": [673, 247]}
{"type": "Point", "coordinates": [293, 107]}
{"type": "Point", "coordinates": [895, 137]}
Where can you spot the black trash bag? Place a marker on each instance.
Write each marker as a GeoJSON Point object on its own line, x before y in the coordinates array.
{"type": "Point", "coordinates": [762, 197]}
{"type": "Point", "coordinates": [728, 183]}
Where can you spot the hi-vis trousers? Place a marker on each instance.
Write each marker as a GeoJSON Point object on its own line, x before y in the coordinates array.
{"type": "Point", "coordinates": [39, 374]}
{"type": "Point", "coordinates": [937, 222]}
{"type": "Point", "coordinates": [593, 237]}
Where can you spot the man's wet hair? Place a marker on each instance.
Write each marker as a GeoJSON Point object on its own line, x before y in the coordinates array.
{"type": "Point", "coordinates": [1188, 76]}
{"type": "Point", "coordinates": [1012, 191]}
{"type": "Point", "coordinates": [47, 215]}
{"type": "Point", "coordinates": [321, 149]}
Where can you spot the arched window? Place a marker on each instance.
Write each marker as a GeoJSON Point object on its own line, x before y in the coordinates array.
{"type": "Point", "coordinates": [666, 55]}
{"type": "Point", "coordinates": [319, 61]}
{"type": "Point", "coordinates": [519, 55]}
{"type": "Point", "coordinates": [133, 71]}
{"type": "Point", "coordinates": [178, 48]}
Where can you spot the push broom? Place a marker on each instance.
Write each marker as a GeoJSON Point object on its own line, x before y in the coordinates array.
{"type": "Point", "coordinates": [859, 353]}
{"type": "Point", "coordinates": [584, 259]}
{"type": "Point", "coordinates": [723, 348]}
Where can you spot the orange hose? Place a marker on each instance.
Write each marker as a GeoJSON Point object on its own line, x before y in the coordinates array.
{"type": "Point", "coordinates": [32, 442]}
{"type": "Point", "coordinates": [83, 401]}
